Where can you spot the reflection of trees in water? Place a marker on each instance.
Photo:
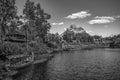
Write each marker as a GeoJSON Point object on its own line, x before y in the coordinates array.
{"type": "Point", "coordinates": [24, 74]}
{"type": "Point", "coordinates": [39, 72]}
{"type": "Point", "coordinates": [34, 72]}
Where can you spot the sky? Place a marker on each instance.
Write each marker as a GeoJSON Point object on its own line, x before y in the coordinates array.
{"type": "Point", "coordinates": [97, 17]}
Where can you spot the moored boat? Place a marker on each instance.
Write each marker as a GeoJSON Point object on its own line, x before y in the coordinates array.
{"type": "Point", "coordinates": [20, 61]}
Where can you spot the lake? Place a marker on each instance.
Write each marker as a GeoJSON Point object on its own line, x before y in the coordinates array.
{"type": "Point", "coordinates": [94, 64]}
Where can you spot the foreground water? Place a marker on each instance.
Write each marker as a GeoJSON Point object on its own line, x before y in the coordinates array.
{"type": "Point", "coordinates": [95, 64]}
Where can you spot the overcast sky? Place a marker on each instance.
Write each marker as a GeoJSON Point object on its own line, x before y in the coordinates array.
{"type": "Point", "coordinates": [101, 17]}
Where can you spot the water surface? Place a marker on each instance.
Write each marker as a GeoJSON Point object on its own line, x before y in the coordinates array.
{"type": "Point", "coordinates": [95, 64]}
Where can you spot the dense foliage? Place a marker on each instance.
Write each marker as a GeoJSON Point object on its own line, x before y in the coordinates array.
{"type": "Point", "coordinates": [36, 19]}
{"type": "Point", "coordinates": [76, 34]}
{"type": "Point", "coordinates": [114, 41]}
{"type": "Point", "coordinates": [32, 24]}
{"type": "Point", "coordinates": [53, 40]}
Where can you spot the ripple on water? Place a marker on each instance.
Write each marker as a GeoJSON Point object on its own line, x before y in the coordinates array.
{"type": "Point", "coordinates": [96, 64]}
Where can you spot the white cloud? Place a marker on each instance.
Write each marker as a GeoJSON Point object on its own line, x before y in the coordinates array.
{"type": "Point", "coordinates": [65, 29]}
{"type": "Point", "coordinates": [61, 23]}
{"type": "Point", "coordinates": [117, 16]}
{"type": "Point", "coordinates": [89, 31]}
{"type": "Point", "coordinates": [102, 20]}
{"type": "Point", "coordinates": [78, 15]}
{"type": "Point", "coordinates": [105, 17]}
{"type": "Point", "coordinates": [99, 21]}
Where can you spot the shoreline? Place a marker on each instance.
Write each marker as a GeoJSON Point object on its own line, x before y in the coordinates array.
{"type": "Point", "coordinates": [41, 58]}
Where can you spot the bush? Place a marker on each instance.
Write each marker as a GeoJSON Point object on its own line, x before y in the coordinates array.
{"type": "Point", "coordinates": [12, 48]}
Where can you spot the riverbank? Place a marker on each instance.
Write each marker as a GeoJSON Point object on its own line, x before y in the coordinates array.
{"type": "Point", "coordinates": [69, 47]}
{"type": "Point", "coordinates": [41, 58]}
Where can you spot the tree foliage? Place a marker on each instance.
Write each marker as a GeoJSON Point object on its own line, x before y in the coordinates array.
{"type": "Point", "coordinates": [8, 12]}
{"type": "Point", "coordinates": [76, 34]}
{"type": "Point", "coordinates": [32, 23]}
{"type": "Point", "coordinates": [68, 35]}
{"type": "Point", "coordinates": [37, 19]}
{"type": "Point", "coordinates": [53, 40]}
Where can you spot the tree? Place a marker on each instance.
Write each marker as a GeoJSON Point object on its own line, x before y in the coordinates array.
{"type": "Point", "coordinates": [35, 25]}
{"type": "Point", "coordinates": [68, 35]}
{"type": "Point", "coordinates": [8, 12]}
{"type": "Point", "coordinates": [37, 19]}
{"type": "Point", "coordinates": [97, 37]}
{"type": "Point", "coordinates": [53, 40]}
{"type": "Point", "coordinates": [8, 18]}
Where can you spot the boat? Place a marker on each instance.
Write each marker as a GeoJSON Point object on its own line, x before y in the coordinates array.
{"type": "Point", "coordinates": [19, 61]}
{"type": "Point", "coordinates": [9, 73]}
{"type": "Point", "coordinates": [11, 34]}
{"type": "Point", "coordinates": [5, 71]}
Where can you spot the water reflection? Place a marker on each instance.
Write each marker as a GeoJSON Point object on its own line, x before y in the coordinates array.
{"type": "Point", "coordinates": [40, 72]}
{"type": "Point", "coordinates": [33, 72]}
{"type": "Point", "coordinates": [25, 74]}
{"type": "Point", "coordinates": [96, 64]}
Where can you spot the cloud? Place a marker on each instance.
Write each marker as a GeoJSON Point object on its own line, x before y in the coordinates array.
{"type": "Point", "coordinates": [79, 15]}
{"type": "Point", "coordinates": [61, 23]}
{"type": "Point", "coordinates": [102, 20]}
{"type": "Point", "coordinates": [65, 29]}
{"type": "Point", "coordinates": [89, 31]}
{"type": "Point", "coordinates": [117, 16]}
{"type": "Point", "coordinates": [99, 21]}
